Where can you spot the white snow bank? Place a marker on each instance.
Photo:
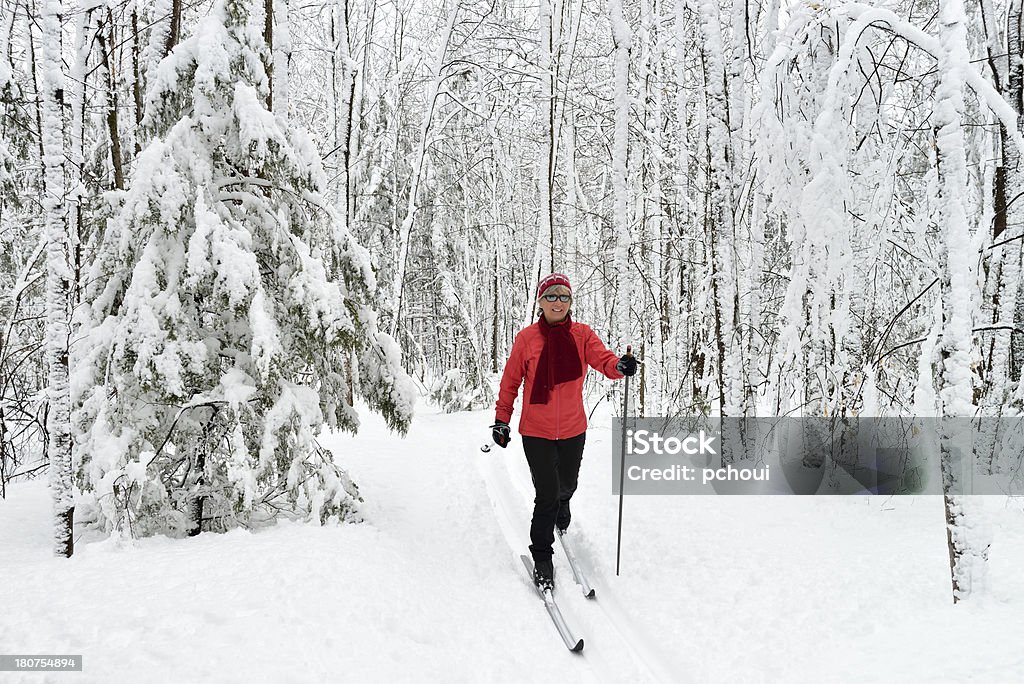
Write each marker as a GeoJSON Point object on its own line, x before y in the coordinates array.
{"type": "Point", "coordinates": [713, 589]}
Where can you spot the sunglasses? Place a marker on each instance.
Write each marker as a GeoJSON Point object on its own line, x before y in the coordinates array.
{"type": "Point", "coordinates": [557, 298]}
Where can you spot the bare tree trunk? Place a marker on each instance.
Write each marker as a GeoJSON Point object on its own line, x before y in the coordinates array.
{"type": "Point", "coordinates": [1011, 304]}
{"type": "Point", "coordinates": [3, 453]}
{"type": "Point", "coordinates": [547, 108]}
{"type": "Point", "coordinates": [196, 504]}
{"type": "Point", "coordinates": [268, 38]}
{"type": "Point", "coordinates": [533, 278]}
{"type": "Point", "coordinates": [137, 80]}
{"type": "Point", "coordinates": [174, 34]}
{"type": "Point", "coordinates": [1006, 259]}
{"type": "Point", "coordinates": [677, 319]}
{"type": "Point", "coordinates": [718, 222]}
{"type": "Point", "coordinates": [57, 274]}
{"type": "Point", "coordinates": [417, 172]}
{"type": "Point", "coordinates": [37, 83]}
{"type": "Point", "coordinates": [957, 351]}
{"type": "Point", "coordinates": [358, 89]}
{"type": "Point", "coordinates": [281, 57]}
{"type": "Point", "coordinates": [110, 92]}
{"type": "Point", "coordinates": [494, 323]}
{"type": "Point", "coordinates": [623, 40]}
{"type": "Point", "coordinates": [344, 84]}
{"type": "Point", "coordinates": [85, 35]}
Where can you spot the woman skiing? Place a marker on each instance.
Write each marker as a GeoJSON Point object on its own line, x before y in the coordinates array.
{"type": "Point", "coordinates": [552, 356]}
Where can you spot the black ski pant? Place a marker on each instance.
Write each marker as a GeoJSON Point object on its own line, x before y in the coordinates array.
{"type": "Point", "coordinates": [555, 467]}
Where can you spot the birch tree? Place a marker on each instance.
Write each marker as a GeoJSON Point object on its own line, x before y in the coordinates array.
{"type": "Point", "coordinates": [623, 39]}
{"type": "Point", "coordinates": [718, 221]}
{"type": "Point", "coordinates": [58, 273]}
{"type": "Point", "coordinates": [343, 74]}
{"type": "Point", "coordinates": [957, 350]}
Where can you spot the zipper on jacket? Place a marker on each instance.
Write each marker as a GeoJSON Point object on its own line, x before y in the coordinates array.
{"type": "Point", "coordinates": [558, 413]}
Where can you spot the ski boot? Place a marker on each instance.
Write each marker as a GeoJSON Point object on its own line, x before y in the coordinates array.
{"type": "Point", "coordinates": [544, 574]}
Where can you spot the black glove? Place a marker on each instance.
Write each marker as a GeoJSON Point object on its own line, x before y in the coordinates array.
{"type": "Point", "coordinates": [627, 365]}
{"type": "Point", "coordinates": [499, 433]}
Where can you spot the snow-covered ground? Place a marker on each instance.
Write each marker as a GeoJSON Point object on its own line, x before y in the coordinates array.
{"type": "Point", "coordinates": [430, 588]}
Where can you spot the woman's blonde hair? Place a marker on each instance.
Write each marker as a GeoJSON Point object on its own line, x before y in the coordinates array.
{"type": "Point", "coordinates": [554, 289]}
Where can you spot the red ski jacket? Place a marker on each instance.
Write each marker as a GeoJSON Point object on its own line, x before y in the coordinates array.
{"type": "Point", "coordinates": [563, 416]}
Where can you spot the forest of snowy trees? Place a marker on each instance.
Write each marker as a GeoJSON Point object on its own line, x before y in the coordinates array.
{"type": "Point", "coordinates": [225, 223]}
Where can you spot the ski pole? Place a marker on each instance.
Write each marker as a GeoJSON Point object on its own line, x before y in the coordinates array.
{"type": "Point", "coordinates": [622, 465]}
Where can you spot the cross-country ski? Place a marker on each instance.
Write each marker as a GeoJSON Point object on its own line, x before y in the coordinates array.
{"type": "Point", "coordinates": [577, 571]}
{"type": "Point", "coordinates": [548, 597]}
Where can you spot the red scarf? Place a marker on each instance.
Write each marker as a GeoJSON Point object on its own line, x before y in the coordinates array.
{"type": "Point", "coordinates": [559, 359]}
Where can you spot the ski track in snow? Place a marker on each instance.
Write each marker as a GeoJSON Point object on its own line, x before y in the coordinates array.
{"type": "Point", "coordinates": [511, 513]}
{"type": "Point", "coordinates": [511, 490]}
{"type": "Point", "coordinates": [430, 587]}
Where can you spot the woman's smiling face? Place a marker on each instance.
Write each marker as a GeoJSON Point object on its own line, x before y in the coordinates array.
{"type": "Point", "coordinates": [556, 311]}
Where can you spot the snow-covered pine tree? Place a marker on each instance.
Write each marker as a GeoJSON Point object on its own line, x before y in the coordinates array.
{"type": "Point", "coordinates": [216, 332]}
